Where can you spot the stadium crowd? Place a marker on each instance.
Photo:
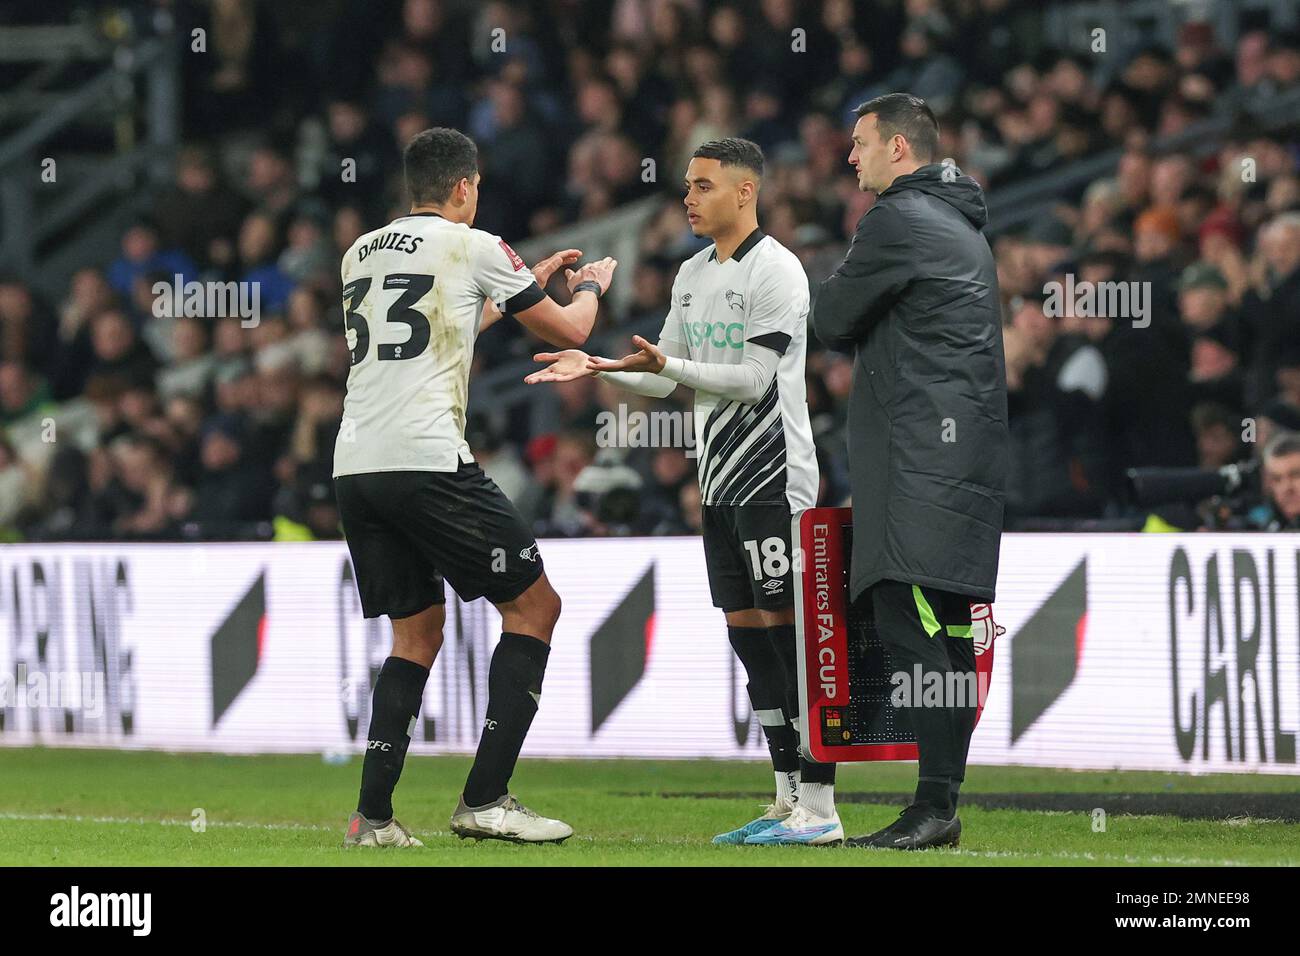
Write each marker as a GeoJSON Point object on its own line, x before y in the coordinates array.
{"type": "Point", "coordinates": [123, 420]}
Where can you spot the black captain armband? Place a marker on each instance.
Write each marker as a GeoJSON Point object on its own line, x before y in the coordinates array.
{"type": "Point", "coordinates": [523, 300]}
{"type": "Point", "coordinates": [587, 285]}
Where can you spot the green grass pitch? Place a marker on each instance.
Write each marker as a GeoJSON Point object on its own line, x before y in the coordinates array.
{"type": "Point", "coordinates": [111, 808]}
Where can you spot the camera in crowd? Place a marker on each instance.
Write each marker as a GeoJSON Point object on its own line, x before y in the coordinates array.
{"type": "Point", "coordinates": [609, 492]}
{"type": "Point", "coordinates": [1258, 494]}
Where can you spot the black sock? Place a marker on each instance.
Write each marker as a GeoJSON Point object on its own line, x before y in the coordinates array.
{"type": "Point", "coordinates": [393, 706]}
{"type": "Point", "coordinates": [767, 694]}
{"type": "Point", "coordinates": [784, 643]}
{"type": "Point", "coordinates": [961, 654]}
{"type": "Point", "coordinates": [935, 727]}
{"type": "Point", "coordinates": [514, 687]}
{"type": "Point", "coordinates": [935, 792]}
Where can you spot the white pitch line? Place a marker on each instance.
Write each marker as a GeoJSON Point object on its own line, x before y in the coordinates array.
{"type": "Point", "coordinates": [635, 841]}
{"type": "Point", "coordinates": [166, 822]}
{"type": "Point", "coordinates": [1102, 858]}
{"type": "Point", "coordinates": [227, 824]}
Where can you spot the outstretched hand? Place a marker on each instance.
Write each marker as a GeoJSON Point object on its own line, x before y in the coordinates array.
{"type": "Point", "coordinates": [565, 366]}
{"type": "Point", "coordinates": [649, 359]}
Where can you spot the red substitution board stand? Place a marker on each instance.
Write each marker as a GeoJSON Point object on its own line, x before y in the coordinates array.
{"type": "Point", "coordinates": [844, 672]}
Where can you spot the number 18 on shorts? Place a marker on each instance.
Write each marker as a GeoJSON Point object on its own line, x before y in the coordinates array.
{"type": "Point", "coordinates": [747, 550]}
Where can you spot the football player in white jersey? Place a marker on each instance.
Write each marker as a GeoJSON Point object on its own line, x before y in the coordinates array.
{"type": "Point", "coordinates": [414, 506]}
{"type": "Point", "coordinates": [736, 333]}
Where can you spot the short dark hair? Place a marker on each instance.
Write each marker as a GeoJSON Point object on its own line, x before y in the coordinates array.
{"type": "Point", "coordinates": [1279, 446]}
{"type": "Point", "coordinates": [733, 151]}
{"type": "Point", "coordinates": [435, 161]}
{"type": "Point", "coordinates": [909, 115]}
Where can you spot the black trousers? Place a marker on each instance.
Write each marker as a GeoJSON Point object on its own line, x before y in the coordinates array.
{"type": "Point", "coordinates": [926, 633]}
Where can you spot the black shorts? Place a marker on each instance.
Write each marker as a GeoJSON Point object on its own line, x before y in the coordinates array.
{"type": "Point", "coordinates": [407, 530]}
{"type": "Point", "coordinates": [748, 555]}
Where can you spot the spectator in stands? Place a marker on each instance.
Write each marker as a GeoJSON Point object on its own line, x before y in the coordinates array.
{"type": "Point", "coordinates": [565, 119]}
{"type": "Point", "coordinates": [1273, 305]}
{"type": "Point", "coordinates": [1218, 435]}
{"type": "Point", "coordinates": [305, 509]}
{"type": "Point", "coordinates": [355, 145]}
{"type": "Point", "coordinates": [144, 470]}
{"type": "Point", "coordinates": [28, 330]}
{"type": "Point", "coordinates": [143, 257]}
{"type": "Point", "coordinates": [669, 471]}
{"type": "Point", "coordinates": [15, 485]}
{"type": "Point", "coordinates": [192, 365]}
{"type": "Point", "coordinates": [117, 350]}
{"type": "Point", "coordinates": [23, 394]}
{"type": "Point", "coordinates": [65, 507]}
{"type": "Point", "coordinates": [270, 183]}
{"type": "Point", "coordinates": [560, 513]}
{"type": "Point", "coordinates": [307, 257]}
{"type": "Point", "coordinates": [651, 288]}
{"type": "Point", "coordinates": [199, 211]}
{"type": "Point", "coordinates": [309, 342]}
{"type": "Point", "coordinates": [1282, 482]}
{"type": "Point", "coordinates": [258, 242]}
{"type": "Point", "coordinates": [231, 488]}
{"type": "Point", "coordinates": [1055, 384]}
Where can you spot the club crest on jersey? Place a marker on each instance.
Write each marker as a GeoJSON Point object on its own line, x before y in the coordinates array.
{"type": "Point", "coordinates": [735, 300]}
{"type": "Point", "coordinates": [529, 553]}
{"type": "Point", "coordinates": [515, 261]}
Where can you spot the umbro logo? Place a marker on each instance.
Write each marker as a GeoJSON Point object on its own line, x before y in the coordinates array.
{"type": "Point", "coordinates": [686, 301]}
{"type": "Point", "coordinates": [529, 553]}
{"type": "Point", "coordinates": [735, 300]}
{"type": "Point", "coordinates": [772, 586]}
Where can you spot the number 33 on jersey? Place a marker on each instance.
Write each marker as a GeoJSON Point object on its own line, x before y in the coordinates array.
{"type": "Point", "coordinates": [413, 295]}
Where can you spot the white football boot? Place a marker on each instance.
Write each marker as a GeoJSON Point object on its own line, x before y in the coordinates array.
{"type": "Point", "coordinates": [363, 832]}
{"type": "Point", "coordinates": [801, 828]}
{"type": "Point", "coordinates": [507, 819]}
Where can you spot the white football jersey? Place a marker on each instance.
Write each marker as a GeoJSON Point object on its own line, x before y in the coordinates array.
{"type": "Point", "coordinates": [413, 295]}
{"type": "Point", "coordinates": [761, 453]}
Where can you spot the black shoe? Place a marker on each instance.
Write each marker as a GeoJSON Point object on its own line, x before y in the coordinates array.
{"type": "Point", "coordinates": [918, 827]}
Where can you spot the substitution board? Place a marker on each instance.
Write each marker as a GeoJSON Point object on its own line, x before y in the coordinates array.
{"type": "Point", "coordinates": [844, 670]}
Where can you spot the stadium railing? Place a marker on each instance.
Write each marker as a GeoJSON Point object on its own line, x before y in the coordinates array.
{"type": "Point", "coordinates": [49, 229]}
{"type": "Point", "coordinates": [1133, 22]}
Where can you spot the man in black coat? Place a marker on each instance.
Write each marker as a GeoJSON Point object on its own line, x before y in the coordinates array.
{"type": "Point", "coordinates": [916, 302]}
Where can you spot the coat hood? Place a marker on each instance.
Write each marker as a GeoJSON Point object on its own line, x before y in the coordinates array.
{"type": "Point", "coordinates": [962, 193]}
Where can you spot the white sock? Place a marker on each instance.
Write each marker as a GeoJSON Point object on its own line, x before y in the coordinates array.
{"type": "Point", "coordinates": [818, 798]}
{"type": "Point", "coordinates": [787, 789]}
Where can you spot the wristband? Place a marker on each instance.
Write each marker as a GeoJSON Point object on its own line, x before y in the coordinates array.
{"type": "Point", "coordinates": [587, 285]}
